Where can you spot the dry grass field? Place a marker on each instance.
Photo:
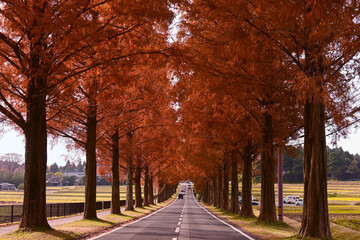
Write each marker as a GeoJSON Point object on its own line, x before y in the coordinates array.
{"type": "Point", "coordinates": [62, 194]}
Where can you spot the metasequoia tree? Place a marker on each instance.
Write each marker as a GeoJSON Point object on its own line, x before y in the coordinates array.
{"type": "Point", "coordinates": [253, 77]}
{"type": "Point", "coordinates": [40, 46]}
{"type": "Point", "coordinates": [320, 40]}
{"type": "Point", "coordinates": [145, 110]}
{"type": "Point", "coordinates": [138, 35]}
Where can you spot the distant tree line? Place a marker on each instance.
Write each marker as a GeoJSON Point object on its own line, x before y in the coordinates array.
{"type": "Point", "coordinates": [342, 165]}
{"type": "Point", "coordinates": [12, 168]}
{"type": "Point", "coordinates": [68, 167]}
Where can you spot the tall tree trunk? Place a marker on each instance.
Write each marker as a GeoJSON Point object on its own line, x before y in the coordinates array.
{"type": "Point", "coordinates": [146, 186]}
{"type": "Point", "coordinates": [138, 200]}
{"type": "Point", "coordinates": [151, 189]}
{"type": "Point", "coordinates": [211, 193]}
{"type": "Point", "coordinates": [115, 188]}
{"type": "Point", "coordinates": [206, 192]}
{"type": "Point", "coordinates": [267, 207]}
{"type": "Point", "coordinates": [246, 205]}
{"type": "Point", "coordinates": [219, 188]}
{"type": "Point", "coordinates": [90, 185]}
{"type": "Point", "coordinates": [161, 188]}
{"type": "Point", "coordinates": [129, 205]}
{"type": "Point", "coordinates": [215, 192]}
{"type": "Point", "coordinates": [315, 221]}
{"type": "Point", "coordinates": [225, 188]}
{"type": "Point", "coordinates": [234, 208]}
{"type": "Point", "coordinates": [34, 204]}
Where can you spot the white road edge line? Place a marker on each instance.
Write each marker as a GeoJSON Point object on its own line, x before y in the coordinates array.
{"type": "Point", "coordinates": [239, 231]}
{"type": "Point", "coordinates": [134, 221]}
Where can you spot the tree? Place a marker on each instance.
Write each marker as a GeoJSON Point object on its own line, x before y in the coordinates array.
{"type": "Point", "coordinates": [317, 51]}
{"type": "Point", "coordinates": [54, 168]}
{"type": "Point", "coordinates": [39, 60]}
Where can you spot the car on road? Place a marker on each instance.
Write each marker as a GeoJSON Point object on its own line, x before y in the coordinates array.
{"type": "Point", "coordinates": [253, 202]}
{"type": "Point", "coordinates": [291, 199]}
{"type": "Point", "coordinates": [299, 202]}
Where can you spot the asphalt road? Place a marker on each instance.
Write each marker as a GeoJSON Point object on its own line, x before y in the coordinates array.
{"type": "Point", "coordinates": [182, 220]}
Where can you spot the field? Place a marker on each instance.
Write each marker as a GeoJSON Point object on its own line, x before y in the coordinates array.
{"type": "Point", "coordinates": [62, 194]}
{"type": "Point", "coordinates": [342, 197]}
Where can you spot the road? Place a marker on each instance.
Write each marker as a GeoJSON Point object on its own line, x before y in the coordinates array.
{"type": "Point", "coordinates": [182, 220]}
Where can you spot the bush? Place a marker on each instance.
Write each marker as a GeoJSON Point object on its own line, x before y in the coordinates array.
{"type": "Point", "coordinates": [21, 186]}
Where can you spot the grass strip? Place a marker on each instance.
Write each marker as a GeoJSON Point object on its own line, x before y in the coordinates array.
{"type": "Point", "coordinates": [348, 228]}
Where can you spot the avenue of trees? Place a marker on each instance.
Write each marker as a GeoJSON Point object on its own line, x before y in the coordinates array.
{"type": "Point", "coordinates": [164, 90]}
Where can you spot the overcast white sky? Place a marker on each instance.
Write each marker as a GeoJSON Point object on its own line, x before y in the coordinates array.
{"type": "Point", "coordinates": [11, 142]}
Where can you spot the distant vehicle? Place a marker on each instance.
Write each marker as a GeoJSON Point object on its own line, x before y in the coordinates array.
{"type": "Point", "coordinates": [181, 196]}
{"type": "Point", "coordinates": [299, 202]}
{"type": "Point", "coordinates": [291, 199]}
{"type": "Point", "coordinates": [253, 202]}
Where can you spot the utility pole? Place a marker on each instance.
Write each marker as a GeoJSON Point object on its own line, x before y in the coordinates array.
{"type": "Point", "coordinates": [280, 185]}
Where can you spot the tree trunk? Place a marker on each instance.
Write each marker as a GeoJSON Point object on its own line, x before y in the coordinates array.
{"type": "Point", "coordinates": [90, 185]}
{"type": "Point", "coordinates": [206, 192]}
{"type": "Point", "coordinates": [315, 221]}
{"type": "Point", "coordinates": [129, 205]}
{"type": "Point", "coordinates": [246, 205]}
{"type": "Point", "coordinates": [115, 191]}
{"type": "Point", "coordinates": [211, 193]}
{"type": "Point", "coordinates": [138, 200]}
{"type": "Point", "coordinates": [151, 189]}
{"type": "Point", "coordinates": [34, 204]}
{"type": "Point", "coordinates": [267, 207]}
{"type": "Point", "coordinates": [215, 193]}
{"type": "Point", "coordinates": [219, 188]}
{"type": "Point", "coordinates": [161, 188]}
{"type": "Point", "coordinates": [225, 188]}
{"type": "Point", "coordinates": [234, 208]}
{"type": "Point", "coordinates": [146, 186]}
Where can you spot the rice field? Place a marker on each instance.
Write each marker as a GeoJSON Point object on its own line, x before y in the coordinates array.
{"type": "Point", "coordinates": [63, 194]}
{"type": "Point", "coordinates": [343, 197]}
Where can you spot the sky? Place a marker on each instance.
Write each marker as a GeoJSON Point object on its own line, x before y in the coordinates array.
{"type": "Point", "coordinates": [12, 142]}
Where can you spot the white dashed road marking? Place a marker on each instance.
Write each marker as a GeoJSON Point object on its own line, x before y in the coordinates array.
{"type": "Point", "coordinates": [177, 229]}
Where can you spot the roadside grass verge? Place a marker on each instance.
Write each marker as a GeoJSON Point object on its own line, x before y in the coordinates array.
{"type": "Point", "coordinates": [49, 234]}
{"type": "Point", "coordinates": [264, 230]}
{"type": "Point", "coordinates": [82, 228]}
{"type": "Point", "coordinates": [342, 226]}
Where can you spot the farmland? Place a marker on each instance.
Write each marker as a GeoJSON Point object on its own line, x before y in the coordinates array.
{"type": "Point", "coordinates": [62, 194]}
{"type": "Point", "coordinates": [343, 197]}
